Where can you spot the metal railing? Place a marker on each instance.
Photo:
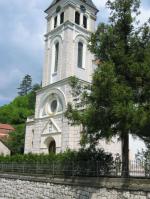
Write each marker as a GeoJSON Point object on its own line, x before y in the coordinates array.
{"type": "Point", "coordinates": [82, 168]}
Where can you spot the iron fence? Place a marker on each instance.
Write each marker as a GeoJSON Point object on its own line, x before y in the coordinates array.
{"type": "Point", "coordinates": [88, 168]}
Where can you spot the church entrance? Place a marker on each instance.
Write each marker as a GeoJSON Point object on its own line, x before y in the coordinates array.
{"type": "Point", "coordinates": [52, 147]}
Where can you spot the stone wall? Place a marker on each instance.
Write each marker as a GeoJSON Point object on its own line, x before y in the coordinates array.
{"type": "Point", "coordinates": [25, 187]}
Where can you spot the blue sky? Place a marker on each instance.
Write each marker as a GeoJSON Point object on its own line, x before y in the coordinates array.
{"type": "Point", "coordinates": [22, 26]}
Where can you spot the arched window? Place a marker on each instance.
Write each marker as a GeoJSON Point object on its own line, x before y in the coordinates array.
{"type": "Point", "coordinates": [77, 17]}
{"type": "Point", "coordinates": [80, 55]}
{"type": "Point", "coordinates": [55, 22]}
{"type": "Point", "coordinates": [84, 21]}
{"type": "Point", "coordinates": [62, 18]}
{"type": "Point", "coordinates": [52, 147]}
{"type": "Point", "coordinates": [56, 57]}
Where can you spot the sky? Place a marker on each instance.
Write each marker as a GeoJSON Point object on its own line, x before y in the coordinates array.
{"type": "Point", "coordinates": [22, 29]}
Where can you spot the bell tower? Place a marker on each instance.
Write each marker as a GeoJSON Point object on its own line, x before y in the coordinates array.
{"type": "Point", "coordinates": [69, 25]}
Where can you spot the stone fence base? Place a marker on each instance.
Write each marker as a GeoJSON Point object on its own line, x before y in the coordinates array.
{"type": "Point", "coordinates": [34, 187]}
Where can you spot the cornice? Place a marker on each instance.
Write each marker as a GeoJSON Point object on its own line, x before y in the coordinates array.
{"type": "Point", "coordinates": [66, 25]}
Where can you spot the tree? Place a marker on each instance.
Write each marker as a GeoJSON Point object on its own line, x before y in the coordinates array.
{"type": "Point", "coordinates": [25, 86]}
{"type": "Point", "coordinates": [119, 99]}
{"type": "Point", "coordinates": [16, 114]}
{"type": "Point", "coordinates": [16, 139]}
{"type": "Point", "coordinates": [32, 96]}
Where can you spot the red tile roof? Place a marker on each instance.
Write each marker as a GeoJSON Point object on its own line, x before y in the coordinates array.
{"type": "Point", "coordinates": [5, 129]}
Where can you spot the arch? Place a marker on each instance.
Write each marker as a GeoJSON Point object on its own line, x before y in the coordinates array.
{"type": "Point", "coordinates": [56, 45]}
{"type": "Point", "coordinates": [77, 17]}
{"type": "Point", "coordinates": [54, 94]}
{"type": "Point", "coordinates": [55, 39]}
{"type": "Point", "coordinates": [51, 144]}
{"type": "Point", "coordinates": [80, 53]}
{"type": "Point", "coordinates": [81, 37]}
{"type": "Point", "coordinates": [52, 147]}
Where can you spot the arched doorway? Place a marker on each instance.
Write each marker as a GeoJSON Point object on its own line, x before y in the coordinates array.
{"type": "Point", "coordinates": [52, 147]}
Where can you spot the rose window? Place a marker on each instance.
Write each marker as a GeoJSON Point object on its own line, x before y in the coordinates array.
{"type": "Point", "coordinates": [52, 105]}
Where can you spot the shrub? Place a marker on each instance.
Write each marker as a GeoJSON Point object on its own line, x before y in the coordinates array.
{"type": "Point", "coordinates": [85, 162]}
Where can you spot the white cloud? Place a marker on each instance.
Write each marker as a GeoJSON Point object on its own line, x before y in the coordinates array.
{"type": "Point", "coordinates": [22, 26]}
{"type": "Point", "coordinates": [145, 15]}
{"type": "Point", "coordinates": [100, 3]}
{"type": "Point", "coordinates": [10, 76]}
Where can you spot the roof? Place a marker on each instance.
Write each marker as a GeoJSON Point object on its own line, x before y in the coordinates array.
{"type": "Point", "coordinates": [6, 127]}
{"type": "Point", "coordinates": [88, 2]}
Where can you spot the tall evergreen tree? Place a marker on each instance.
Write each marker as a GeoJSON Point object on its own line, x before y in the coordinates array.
{"type": "Point", "coordinates": [25, 86]}
{"type": "Point", "coordinates": [119, 99]}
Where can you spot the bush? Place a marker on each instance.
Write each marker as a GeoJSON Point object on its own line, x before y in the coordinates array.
{"type": "Point", "coordinates": [85, 162]}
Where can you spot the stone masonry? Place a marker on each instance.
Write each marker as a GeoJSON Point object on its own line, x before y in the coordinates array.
{"type": "Point", "coordinates": [35, 188]}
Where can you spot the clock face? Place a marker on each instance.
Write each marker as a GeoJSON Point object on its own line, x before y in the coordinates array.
{"type": "Point", "coordinates": [52, 105]}
{"type": "Point", "coordinates": [83, 9]}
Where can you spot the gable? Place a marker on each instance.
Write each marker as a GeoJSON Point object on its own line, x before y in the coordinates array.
{"type": "Point", "coordinates": [51, 127]}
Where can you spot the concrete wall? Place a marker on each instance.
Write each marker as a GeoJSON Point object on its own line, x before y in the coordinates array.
{"type": "Point", "coordinates": [3, 149]}
{"type": "Point", "coordinates": [25, 187]}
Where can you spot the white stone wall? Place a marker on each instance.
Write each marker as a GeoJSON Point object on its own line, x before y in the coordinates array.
{"type": "Point", "coordinates": [29, 136]}
{"type": "Point", "coordinates": [4, 150]}
{"type": "Point", "coordinates": [24, 189]}
{"type": "Point", "coordinates": [67, 35]}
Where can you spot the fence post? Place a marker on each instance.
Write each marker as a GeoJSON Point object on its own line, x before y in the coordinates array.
{"type": "Point", "coordinates": [97, 168]}
{"type": "Point", "coordinates": [23, 167]}
{"type": "Point", "coordinates": [72, 168]}
{"type": "Point", "coordinates": [53, 169]}
{"type": "Point", "coordinates": [36, 168]}
{"type": "Point", "coordinates": [12, 167]}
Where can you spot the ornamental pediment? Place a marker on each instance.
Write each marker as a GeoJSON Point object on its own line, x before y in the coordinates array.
{"type": "Point", "coordinates": [51, 127]}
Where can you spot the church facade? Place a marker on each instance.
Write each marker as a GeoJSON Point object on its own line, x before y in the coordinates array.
{"type": "Point", "coordinates": [69, 25]}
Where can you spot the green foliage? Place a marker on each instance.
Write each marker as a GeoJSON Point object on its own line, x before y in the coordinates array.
{"type": "Point", "coordinates": [25, 86]}
{"type": "Point", "coordinates": [32, 96]}
{"type": "Point", "coordinates": [17, 111]}
{"type": "Point", "coordinates": [119, 99]}
{"type": "Point", "coordinates": [68, 156]}
{"type": "Point", "coordinates": [144, 155]}
{"type": "Point", "coordinates": [143, 159]}
{"type": "Point", "coordinates": [16, 114]}
{"type": "Point", "coordinates": [68, 163]}
{"type": "Point", "coordinates": [15, 141]}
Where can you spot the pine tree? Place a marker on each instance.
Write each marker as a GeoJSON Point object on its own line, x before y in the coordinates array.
{"type": "Point", "coordinates": [118, 103]}
{"type": "Point", "coordinates": [25, 86]}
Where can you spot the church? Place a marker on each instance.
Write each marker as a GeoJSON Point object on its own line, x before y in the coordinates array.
{"type": "Point", "coordinates": [69, 25]}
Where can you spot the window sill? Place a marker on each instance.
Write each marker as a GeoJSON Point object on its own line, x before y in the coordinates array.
{"type": "Point", "coordinates": [81, 68]}
{"type": "Point", "coordinates": [54, 74]}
